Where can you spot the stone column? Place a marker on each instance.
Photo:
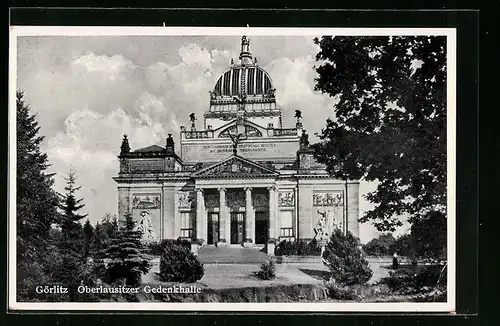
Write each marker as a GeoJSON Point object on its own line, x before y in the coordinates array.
{"type": "Point", "coordinates": [227, 222]}
{"type": "Point", "coordinates": [177, 215]}
{"type": "Point", "coordinates": [272, 212]}
{"type": "Point", "coordinates": [223, 218]}
{"type": "Point", "coordinates": [295, 213]}
{"type": "Point", "coordinates": [200, 216]}
{"type": "Point", "coordinates": [249, 219]}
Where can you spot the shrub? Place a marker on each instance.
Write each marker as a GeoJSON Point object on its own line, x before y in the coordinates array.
{"type": "Point", "coordinates": [156, 248]}
{"type": "Point", "coordinates": [429, 276]}
{"type": "Point", "coordinates": [345, 260]}
{"type": "Point", "coordinates": [435, 295]}
{"type": "Point", "coordinates": [298, 248]}
{"type": "Point", "coordinates": [400, 280]}
{"type": "Point", "coordinates": [340, 292]}
{"type": "Point", "coordinates": [267, 270]}
{"type": "Point", "coordinates": [179, 264]}
{"type": "Point", "coordinates": [408, 281]}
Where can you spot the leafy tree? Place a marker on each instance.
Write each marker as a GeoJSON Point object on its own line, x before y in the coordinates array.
{"type": "Point", "coordinates": [379, 246]}
{"type": "Point", "coordinates": [126, 255]}
{"type": "Point", "coordinates": [390, 121]}
{"type": "Point", "coordinates": [403, 246]}
{"type": "Point", "coordinates": [345, 260]}
{"type": "Point", "coordinates": [36, 202]}
{"type": "Point", "coordinates": [88, 233]}
{"type": "Point", "coordinates": [428, 235]}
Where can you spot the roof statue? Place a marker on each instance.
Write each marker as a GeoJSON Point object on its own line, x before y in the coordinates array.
{"type": "Point", "coordinates": [192, 118]}
{"type": "Point", "coordinates": [236, 138]}
{"type": "Point", "coordinates": [241, 102]}
{"type": "Point", "coordinates": [170, 143]}
{"type": "Point", "coordinates": [125, 148]}
{"type": "Point", "coordinates": [298, 116]}
{"type": "Point", "coordinates": [304, 140]}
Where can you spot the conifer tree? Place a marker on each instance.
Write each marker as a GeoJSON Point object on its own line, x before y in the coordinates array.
{"type": "Point", "coordinates": [36, 203]}
{"type": "Point", "coordinates": [71, 245]}
{"type": "Point", "coordinates": [88, 232]}
{"type": "Point", "coordinates": [126, 255]}
{"type": "Point", "coordinates": [70, 206]}
{"type": "Point", "coordinates": [99, 240]}
{"type": "Point", "coordinates": [345, 260]}
{"type": "Point", "coordinates": [110, 225]}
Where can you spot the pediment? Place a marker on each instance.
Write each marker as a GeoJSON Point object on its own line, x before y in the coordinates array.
{"type": "Point", "coordinates": [235, 166]}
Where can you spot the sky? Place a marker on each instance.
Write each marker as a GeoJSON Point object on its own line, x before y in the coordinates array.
{"type": "Point", "coordinates": [88, 91]}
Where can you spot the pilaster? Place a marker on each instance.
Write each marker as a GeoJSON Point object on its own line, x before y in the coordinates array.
{"type": "Point", "coordinates": [201, 226]}
{"type": "Point", "coordinates": [224, 226]}
{"type": "Point", "coordinates": [124, 202]}
{"type": "Point", "coordinates": [305, 212]}
{"type": "Point", "coordinates": [352, 201]}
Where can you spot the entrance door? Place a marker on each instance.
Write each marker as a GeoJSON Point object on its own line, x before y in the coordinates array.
{"type": "Point", "coordinates": [261, 227]}
{"type": "Point", "coordinates": [213, 228]}
{"type": "Point", "coordinates": [237, 227]}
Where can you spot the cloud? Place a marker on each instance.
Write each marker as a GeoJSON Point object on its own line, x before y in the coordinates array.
{"type": "Point", "coordinates": [99, 83]}
{"type": "Point", "coordinates": [90, 144]}
{"type": "Point", "coordinates": [294, 82]}
{"type": "Point", "coordinates": [114, 65]}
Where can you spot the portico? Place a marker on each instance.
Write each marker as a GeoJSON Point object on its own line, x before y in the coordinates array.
{"type": "Point", "coordinates": [235, 203]}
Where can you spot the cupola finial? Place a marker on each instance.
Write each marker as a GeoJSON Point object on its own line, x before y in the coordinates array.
{"type": "Point", "coordinates": [245, 55]}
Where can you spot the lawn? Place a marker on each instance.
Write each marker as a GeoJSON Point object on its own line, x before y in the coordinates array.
{"type": "Point", "coordinates": [225, 276]}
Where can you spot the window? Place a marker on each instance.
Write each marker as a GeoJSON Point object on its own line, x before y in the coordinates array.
{"type": "Point", "coordinates": [187, 222]}
{"type": "Point", "coordinates": [286, 219]}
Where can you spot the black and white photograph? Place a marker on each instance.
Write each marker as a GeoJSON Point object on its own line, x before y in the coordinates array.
{"type": "Point", "coordinates": [232, 169]}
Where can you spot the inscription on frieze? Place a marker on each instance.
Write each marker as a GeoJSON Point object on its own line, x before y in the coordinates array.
{"type": "Point", "coordinates": [223, 148]}
{"type": "Point", "coordinates": [210, 151]}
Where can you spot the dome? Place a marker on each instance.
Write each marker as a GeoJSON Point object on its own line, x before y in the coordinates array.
{"type": "Point", "coordinates": [245, 78]}
{"type": "Point", "coordinates": [244, 81]}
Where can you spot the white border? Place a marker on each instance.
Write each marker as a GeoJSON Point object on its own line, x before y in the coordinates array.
{"type": "Point", "coordinates": [449, 306]}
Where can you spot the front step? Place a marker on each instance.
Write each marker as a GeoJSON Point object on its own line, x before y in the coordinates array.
{"type": "Point", "coordinates": [232, 254]}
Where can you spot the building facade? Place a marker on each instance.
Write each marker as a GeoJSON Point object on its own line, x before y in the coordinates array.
{"type": "Point", "coordinates": [243, 179]}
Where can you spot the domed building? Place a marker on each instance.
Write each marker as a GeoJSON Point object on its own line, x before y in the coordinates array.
{"type": "Point", "coordinates": [243, 179]}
